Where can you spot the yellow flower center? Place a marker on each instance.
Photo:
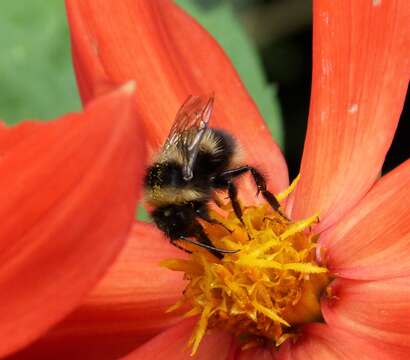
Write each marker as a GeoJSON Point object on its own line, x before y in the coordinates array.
{"type": "Point", "coordinates": [261, 292]}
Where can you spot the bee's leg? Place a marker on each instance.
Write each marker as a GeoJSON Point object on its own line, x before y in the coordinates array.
{"type": "Point", "coordinates": [179, 246]}
{"type": "Point", "coordinates": [233, 196]}
{"type": "Point", "coordinates": [260, 184]}
{"type": "Point", "coordinates": [205, 242]}
{"type": "Point", "coordinates": [224, 181]}
{"type": "Point", "coordinates": [202, 213]}
{"type": "Point", "coordinates": [219, 253]}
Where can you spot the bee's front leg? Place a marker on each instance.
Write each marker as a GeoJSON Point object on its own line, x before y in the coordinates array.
{"type": "Point", "coordinates": [203, 213]}
{"type": "Point", "coordinates": [173, 242]}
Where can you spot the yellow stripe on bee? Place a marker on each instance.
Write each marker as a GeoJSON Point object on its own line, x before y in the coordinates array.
{"type": "Point", "coordinates": [172, 195]}
{"type": "Point", "coordinates": [210, 143]}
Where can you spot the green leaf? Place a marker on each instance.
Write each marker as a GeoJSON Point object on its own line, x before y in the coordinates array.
{"type": "Point", "coordinates": [36, 76]}
{"type": "Point", "coordinates": [142, 214]}
{"type": "Point", "coordinates": [222, 24]}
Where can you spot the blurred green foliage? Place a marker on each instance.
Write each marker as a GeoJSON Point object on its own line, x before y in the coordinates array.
{"type": "Point", "coordinates": [36, 78]}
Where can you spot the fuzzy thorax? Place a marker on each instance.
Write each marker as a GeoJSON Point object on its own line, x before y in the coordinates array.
{"type": "Point", "coordinates": [262, 292]}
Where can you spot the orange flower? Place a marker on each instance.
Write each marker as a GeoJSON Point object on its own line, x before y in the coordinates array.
{"type": "Point", "coordinates": [360, 75]}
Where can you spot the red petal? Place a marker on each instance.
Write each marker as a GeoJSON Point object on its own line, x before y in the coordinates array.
{"type": "Point", "coordinates": [11, 137]}
{"type": "Point", "coordinates": [361, 52]}
{"type": "Point", "coordinates": [172, 345]}
{"type": "Point", "coordinates": [373, 241]}
{"type": "Point", "coordinates": [323, 342]}
{"type": "Point", "coordinates": [377, 310]}
{"type": "Point", "coordinates": [69, 190]}
{"type": "Point", "coordinates": [125, 309]}
{"type": "Point", "coordinates": [138, 285]}
{"type": "Point", "coordinates": [171, 57]}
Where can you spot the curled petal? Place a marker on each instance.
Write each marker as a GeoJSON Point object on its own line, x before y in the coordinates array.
{"type": "Point", "coordinates": [376, 310]}
{"type": "Point", "coordinates": [172, 345]}
{"type": "Point", "coordinates": [373, 241]}
{"type": "Point", "coordinates": [127, 307]}
{"type": "Point", "coordinates": [361, 52]}
{"type": "Point", "coordinates": [324, 342]}
{"type": "Point", "coordinates": [69, 190]}
{"type": "Point", "coordinates": [171, 57]}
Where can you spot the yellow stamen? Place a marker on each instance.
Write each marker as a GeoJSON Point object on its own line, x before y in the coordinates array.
{"type": "Point", "coordinates": [284, 194]}
{"type": "Point", "coordinates": [266, 289]}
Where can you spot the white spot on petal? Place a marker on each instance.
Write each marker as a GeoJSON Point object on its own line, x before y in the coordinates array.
{"type": "Point", "coordinates": [325, 16]}
{"type": "Point", "coordinates": [94, 45]}
{"type": "Point", "coordinates": [376, 2]}
{"type": "Point", "coordinates": [326, 66]}
{"type": "Point", "coordinates": [353, 109]}
{"type": "Point", "coordinates": [323, 116]}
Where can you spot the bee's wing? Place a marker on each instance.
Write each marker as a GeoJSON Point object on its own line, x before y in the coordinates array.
{"type": "Point", "coordinates": [189, 128]}
{"type": "Point", "coordinates": [193, 115]}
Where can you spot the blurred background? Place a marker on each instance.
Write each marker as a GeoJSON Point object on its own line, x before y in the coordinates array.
{"type": "Point", "coordinates": [269, 42]}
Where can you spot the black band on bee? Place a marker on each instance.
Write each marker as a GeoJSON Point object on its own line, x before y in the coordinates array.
{"type": "Point", "coordinates": [164, 174]}
{"type": "Point", "coordinates": [216, 152]}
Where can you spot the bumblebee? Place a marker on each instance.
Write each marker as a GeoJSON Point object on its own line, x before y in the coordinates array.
{"type": "Point", "coordinates": [195, 161]}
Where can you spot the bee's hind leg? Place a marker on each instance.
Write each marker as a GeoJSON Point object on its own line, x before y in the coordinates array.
{"type": "Point", "coordinates": [262, 188]}
{"type": "Point", "coordinates": [233, 196]}
{"type": "Point", "coordinates": [259, 180]}
{"type": "Point", "coordinates": [225, 181]}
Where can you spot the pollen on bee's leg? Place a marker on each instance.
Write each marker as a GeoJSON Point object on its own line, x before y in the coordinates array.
{"type": "Point", "coordinates": [263, 292]}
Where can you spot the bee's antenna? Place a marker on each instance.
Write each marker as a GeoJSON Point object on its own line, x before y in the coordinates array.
{"type": "Point", "coordinates": [222, 251]}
